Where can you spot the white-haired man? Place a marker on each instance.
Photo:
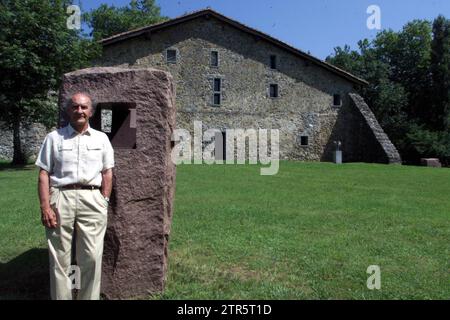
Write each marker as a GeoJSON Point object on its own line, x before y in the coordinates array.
{"type": "Point", "coordinates": [75, 182]}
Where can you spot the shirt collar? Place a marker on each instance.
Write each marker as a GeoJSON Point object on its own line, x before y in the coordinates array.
{"type": "Point", "coordinates": [72, 131]}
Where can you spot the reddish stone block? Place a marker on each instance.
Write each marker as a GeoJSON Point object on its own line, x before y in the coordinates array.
{"type": "Point", "coordinates": [140, 215]}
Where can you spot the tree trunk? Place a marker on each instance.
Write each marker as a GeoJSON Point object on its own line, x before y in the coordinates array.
{"type": "Point", "coordinates": [19, 156]}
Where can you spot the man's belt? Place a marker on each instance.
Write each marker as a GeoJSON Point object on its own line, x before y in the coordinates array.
{"type": "Point", "coordinates": [76, 186]}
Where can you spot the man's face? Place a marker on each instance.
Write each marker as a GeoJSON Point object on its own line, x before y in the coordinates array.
{"type": "Point", "coordinates": [80, 110]}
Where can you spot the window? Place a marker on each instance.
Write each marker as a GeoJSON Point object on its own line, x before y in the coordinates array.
{"type": "Point", "coordinates": [217, 89]}
{"type": "Point", "coordinates": [217, 84]}
{"type": "Point", "coordinates": [337, 100]}
{"type": "Point", "coordinates": [171, 56]}
{"type": "Point", "coordinates": [214, 59]}
{"type": "Point", "coordinates": [273, 62]}
{"type": "Point", "coordinates": [216, 99]}
{"type": "Point", "coordinates": [273, 91]}
{"type": "Point", "coordinates": [304, 140]}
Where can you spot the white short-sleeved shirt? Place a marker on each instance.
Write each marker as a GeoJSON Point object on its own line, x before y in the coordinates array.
{"type": "Point", "coordinates": [70, 157]}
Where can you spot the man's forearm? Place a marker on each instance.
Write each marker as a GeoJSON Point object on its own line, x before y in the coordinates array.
{"type": "Point", "coordinates": [48, 216]}
{"type": "Point", "coordinates": [44, 189]}
{"type": "Point", "coordinates": [107, 182]}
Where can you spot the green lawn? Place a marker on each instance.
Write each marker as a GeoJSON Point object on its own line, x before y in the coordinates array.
{"type": "Point", "coordinates": [309, 232]}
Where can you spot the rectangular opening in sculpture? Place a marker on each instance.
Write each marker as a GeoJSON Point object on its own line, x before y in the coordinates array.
{"type": "Point", "coordinates": [118, 121]}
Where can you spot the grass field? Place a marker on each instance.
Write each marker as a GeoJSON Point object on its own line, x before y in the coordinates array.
{"type": "Point", "coordinates": [309, 232]}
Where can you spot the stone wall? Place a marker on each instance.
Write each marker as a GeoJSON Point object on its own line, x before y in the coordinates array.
{"type": "Point", "coordinates": [32, 137]}
{"type": "Point", "coordinates": [305, 102]}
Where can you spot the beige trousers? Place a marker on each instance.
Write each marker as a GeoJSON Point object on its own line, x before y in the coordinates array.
{"type": "Point", "coordinates": [86, 212]}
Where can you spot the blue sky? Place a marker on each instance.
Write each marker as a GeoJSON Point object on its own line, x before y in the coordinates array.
{"type": "Point", "coordinates": [314, 25]}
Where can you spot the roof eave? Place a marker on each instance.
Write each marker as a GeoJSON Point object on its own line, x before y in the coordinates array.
{"type": "Point", "coordinates": [205, 12]}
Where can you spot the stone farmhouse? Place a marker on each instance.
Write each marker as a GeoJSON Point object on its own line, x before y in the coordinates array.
{"type": "Point", "coordinates": [229, 76]}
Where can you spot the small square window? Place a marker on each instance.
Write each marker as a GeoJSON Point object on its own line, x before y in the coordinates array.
{"type": "Point", "coordinates": [304, 140]}
{"type": "Point", "coordinates": [273, 91]}
{"type": "Point", "coordinates": [171, 56]}
{"type": "Point", "coordinates": [214, 59]}
{"type": "Point", "coordinates": [217, 84]}
{"type": "Point", "coordinates": [337, 99]}
{"type": "Point", "coordinates": [273, 62]}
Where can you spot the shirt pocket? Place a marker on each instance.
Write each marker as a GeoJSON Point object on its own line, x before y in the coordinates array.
{"type": "Point", "coordinates": [65, 146]}
{"type": "Point", "coordinates": [94, 151]}
{"type": "Point", "coordinates": [65, 151]}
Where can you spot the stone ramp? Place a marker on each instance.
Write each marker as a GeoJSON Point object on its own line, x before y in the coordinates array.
{"type": "Point", "coordinates": [392, 155]}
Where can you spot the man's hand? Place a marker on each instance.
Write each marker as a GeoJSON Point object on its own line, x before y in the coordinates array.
{"type": "Point", "coordinates": [48, 218]}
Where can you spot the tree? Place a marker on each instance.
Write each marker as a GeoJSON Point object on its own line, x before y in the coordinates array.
{"type": "Point", "coordinates": [387, 98]}
{"type": "Point", "coordinates": [36, 49]}
{"type": "Point", "coordinates": [411, 67]}
{"type": "Point", "coordinates": [107, 20]}
{"type": "Point", "coordinates": [408, 75]}
{"type": "Point", "coordinates": [440, 71]}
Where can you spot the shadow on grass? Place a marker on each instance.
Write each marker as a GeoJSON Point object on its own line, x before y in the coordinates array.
{"type": "Point", "coordinates": [4, 165]}
{"type": "Point", "coordinates": [26, 277]}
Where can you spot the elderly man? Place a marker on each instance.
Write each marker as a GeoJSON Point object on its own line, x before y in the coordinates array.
{"type": "Point", "coordinates": [75, 182]}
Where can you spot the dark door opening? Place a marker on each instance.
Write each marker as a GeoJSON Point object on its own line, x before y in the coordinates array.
{"type": "Point", "coordinates": [220, 146]}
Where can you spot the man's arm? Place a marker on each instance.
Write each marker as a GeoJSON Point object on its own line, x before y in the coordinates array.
{"type": "Point", "coordinates": [48, 216]}
{"type": "Point", "coordinates": [107, 182]}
